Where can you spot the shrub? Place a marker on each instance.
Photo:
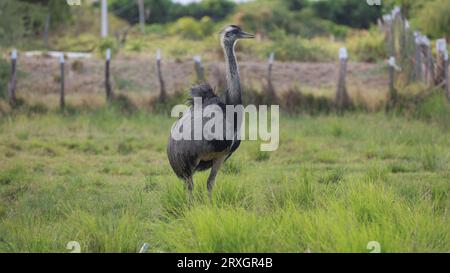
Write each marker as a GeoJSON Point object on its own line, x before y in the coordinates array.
{"type": "Point", "coordinates": [354, 13]}
{"type": "Point", "coordinates": [124, 104]}
{"type": "Point", "coordinates": [434, 108]}
{"type": "Point", "coordinates": [190, 28]}
{"type": "Point", "coordinates": [107, 43]}
{"type": "Point", "coordinates": [295, 102]}
{"type": "Point", "coordinates": [78, 66]}
{"type": "Point", "coordinates": [292, 48]}
{"type": "Point", "coordinates": [434, 18]}
{"type": "Point", "coordinates": [367, 46]}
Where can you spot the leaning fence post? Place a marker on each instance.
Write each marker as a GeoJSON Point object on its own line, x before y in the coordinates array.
{"type": "Point", "coordinates": [342, 98]}
{"type": "Point", "coordinates": [108, 88]}
{"type": "Point", "coordinates": [200, 71]}
{"type": "Point", "coordinates": [61, 100]}
{"type": "Point", "coordinates": [162, 96]}
{"type": "Point", "coordinates": [13, 80]}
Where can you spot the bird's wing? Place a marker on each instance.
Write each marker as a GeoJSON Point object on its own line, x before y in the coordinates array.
{"type": "Point", "coordinates": [203, 91]}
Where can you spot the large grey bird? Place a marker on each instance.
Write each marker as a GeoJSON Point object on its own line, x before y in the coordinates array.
{"type": "Point", "coordinates": [189, 156]}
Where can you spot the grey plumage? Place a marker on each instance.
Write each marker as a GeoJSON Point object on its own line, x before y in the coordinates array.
{"type": "Point", "coordinates": [189, 156]}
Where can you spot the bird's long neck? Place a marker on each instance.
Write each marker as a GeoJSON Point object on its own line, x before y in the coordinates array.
{"type": "Point", "coordinates": [233, 93]}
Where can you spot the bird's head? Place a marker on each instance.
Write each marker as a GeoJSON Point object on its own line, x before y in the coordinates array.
{"type": "Point", "coordinates": [232, 33]}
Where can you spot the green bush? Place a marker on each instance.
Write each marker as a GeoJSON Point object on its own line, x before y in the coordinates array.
{"type": "Point", "coordinates": [367, 46]}
{"type": "Point", "coordinates": [435, 108]}
{"type": "Point", "coordinates": [353, 13]}
{"type": "Point", "coordinates": [106, 43]}
{"type": "Point", "coordinates": [434, 18]}
{"type": "Point", "coordinates": [190, 28]}
{"type": "Point", "coordinates": [291, 48]}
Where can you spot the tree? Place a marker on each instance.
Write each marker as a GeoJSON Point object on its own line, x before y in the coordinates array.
{"type": "Point", "coordinates": [163, 11]}
{"type": "Point", "coordinates": [296, 5]}
{"type": "Point", "coordinates": [57, 9]}
{"type": "Point", "coordinates": [18, 20]}
{"type": "Point", "coordinates": [353, 13]}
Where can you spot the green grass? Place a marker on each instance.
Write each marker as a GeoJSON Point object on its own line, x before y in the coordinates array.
{"type": "Point", "coordinates": [335, 184]}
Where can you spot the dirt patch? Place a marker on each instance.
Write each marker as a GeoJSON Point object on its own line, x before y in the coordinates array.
{"type": "Point", "coordinates": [41, 76]}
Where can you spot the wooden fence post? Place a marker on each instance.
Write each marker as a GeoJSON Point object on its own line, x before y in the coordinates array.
{"type": "Point", "coordinates": [200, 71]}
{"type": "Point", "coordinates": [62, 103]}
{"type": "Point", "coordinates": [162, 95]}
{"type": "Point", "coordinates": [429, 63]}
{"type": "Point", "coordinates": [13, 79]}
{"type": "Point", "coordinates": [418, 57]}
{"type": "Point", "coordinates": [446, 63]}
{"type": "Point", "coordinates": [389, 32]}
{"type": "Point", "coordinates": [392, 98]}
{"type": "Point", "coordinates": [441, 47]}
{"type": "Point", "coordinates": [272, 97]}
{"type": "Point", "coordinates": [342, 98]}
{"type": "Point", "coordinates": [108, 88]}
{"type": "Point", "coordinates": [408, 61]}
{"type": "Point", "coordinates": [46, 30]}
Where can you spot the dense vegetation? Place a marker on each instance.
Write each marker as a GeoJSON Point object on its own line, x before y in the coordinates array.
{"type": "Point", "coordinates": [273, 19]}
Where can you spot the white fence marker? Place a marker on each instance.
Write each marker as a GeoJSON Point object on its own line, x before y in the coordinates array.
{"type": "Point", "coordinates": [158, 55]}
{"type": "Point", "coordinates": [343, 54]}
{"type": "Point", "coordinates": [14, 54]}
{"type": "Point", "coordinates": [441, 45]}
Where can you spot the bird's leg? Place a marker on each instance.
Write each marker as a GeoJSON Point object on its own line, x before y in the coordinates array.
{"type": "Point", "coordinates": [212, 176]}
{"type": "Point", "coordinates": [190, 188]}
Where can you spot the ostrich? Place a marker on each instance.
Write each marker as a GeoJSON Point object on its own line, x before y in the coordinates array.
{"type": "Point", "coordinates": [189, 156]}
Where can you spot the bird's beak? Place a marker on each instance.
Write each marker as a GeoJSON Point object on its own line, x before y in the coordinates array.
{"type": "Point", "coordinates": [245, 35]}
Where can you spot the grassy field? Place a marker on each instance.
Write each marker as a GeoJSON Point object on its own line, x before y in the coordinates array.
{"type": "Point", "coordinates": [335, 184]}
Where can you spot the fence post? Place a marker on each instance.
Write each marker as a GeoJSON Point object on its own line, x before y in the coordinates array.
{"type": "Point", "coordinates": [62, 103]}
{"type": "Point", "coordinates": [441, 47]}
{"type": "Point", "coordinates": [429, 63]}
{"type": "Point", "coordinates": [200, 71]}
{"type": "Point", "coordinates": [418, 57]}
{"type": "Point", "coordinates": [13, 80]}
{"type": "Point", "coordinates": [408, 61]}
{"type": "Point", "coordinates": [272, 97]}
{"type": "Point", "coordinates": [162, 95]}
{"type": "Point", "coordinates": [342, 98]}
{"type": "Point", "coordinates": [46, 29]}
{"type": "Point", "coordinates": [388, 24]}
{"type": "Point", "coordinates": [446, 63]}
{"type": "Point", "coordinates": [108, 88]}
{"type": "Point", "coordinates": [141, 16]}
{"type": "Point", "coordinates": [392, 98]}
